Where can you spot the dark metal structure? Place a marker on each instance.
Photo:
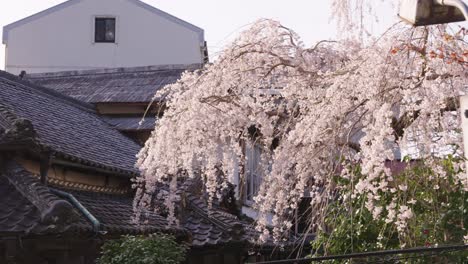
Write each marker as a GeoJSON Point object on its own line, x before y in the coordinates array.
{"type": "Point", "coordinates": [386, 256]}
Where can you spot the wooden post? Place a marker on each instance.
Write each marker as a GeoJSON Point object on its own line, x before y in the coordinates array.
{"type": "Point", "coordinates": [45, 158]}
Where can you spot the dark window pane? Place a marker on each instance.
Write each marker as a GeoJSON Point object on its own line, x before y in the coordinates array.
{"type": "Point", "coordinates": [104, 30]}
{"type": "Point", "coordinates": [254, 170]}
{"type": "Point", "coordinates": [99, 30]}
{"type": "Point", "coordinates": [110, 30]}
{"type": "Point", "coordinates": [303, 216]}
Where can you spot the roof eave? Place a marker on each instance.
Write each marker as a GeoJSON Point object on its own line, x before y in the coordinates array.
{"type": "Point", "coordinates": [198, 30]}
{"type": "Point", "coordinates": [77, 103]}
{"type": "Point", "coordinates": [67, 160]}
{"type": "Point", "coordinates": [33, 17]}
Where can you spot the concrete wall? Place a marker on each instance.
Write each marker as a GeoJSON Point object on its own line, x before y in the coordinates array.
{"type": "Point", "coordinates": [62, 38]}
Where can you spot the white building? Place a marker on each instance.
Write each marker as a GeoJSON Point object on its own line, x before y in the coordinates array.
{"type": "Point", "coordinates": [93, 34]}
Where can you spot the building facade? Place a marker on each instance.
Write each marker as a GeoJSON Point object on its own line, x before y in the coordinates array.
{"type": "Point", "coordinates": [94, 34]}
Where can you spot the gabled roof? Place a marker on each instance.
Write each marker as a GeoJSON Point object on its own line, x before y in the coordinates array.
{"type": "Point", "coordinates": [66, 4]}
{"type": "Point", "coordinates": [118, 85]}
{"type": "Point", "coordinates": [69, 128]}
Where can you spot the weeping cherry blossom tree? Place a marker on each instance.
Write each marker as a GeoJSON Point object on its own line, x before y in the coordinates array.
{"type": "Point", "coordinates": [315, 112]}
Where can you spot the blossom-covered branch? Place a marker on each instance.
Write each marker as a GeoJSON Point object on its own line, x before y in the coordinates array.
{"type": "Point", "coordinates": [326, 107]}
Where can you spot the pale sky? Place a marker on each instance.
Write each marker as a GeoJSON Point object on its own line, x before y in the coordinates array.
{"type": "Point", "coordinates": [222, 20]}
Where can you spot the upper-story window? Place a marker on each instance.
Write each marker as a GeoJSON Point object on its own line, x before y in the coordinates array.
{"type": "Point", "coordinates": [253, 170]}
{"type": "Point", "coordinates": [302, 217]}
{"type": "Point", "coordinates": [104, 30]}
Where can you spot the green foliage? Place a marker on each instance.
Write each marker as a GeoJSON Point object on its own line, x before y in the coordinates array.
{"type": "Point", "coordinates": [438, 201]}
{"type": "Point", "coordinates": [154, 249]}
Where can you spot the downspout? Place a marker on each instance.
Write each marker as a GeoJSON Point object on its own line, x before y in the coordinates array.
{"type": "Point", "coordinates": [45, 161]}
{"type": "Point", "coordinates": [96, 224]}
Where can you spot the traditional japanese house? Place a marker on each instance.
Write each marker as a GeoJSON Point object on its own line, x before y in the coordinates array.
{"type": "Point", "coordinates": [72, 123]}
{"type": "Point", "coordinates": [65, 186]}
{"type": "Point", "coordinates": [123, 97]}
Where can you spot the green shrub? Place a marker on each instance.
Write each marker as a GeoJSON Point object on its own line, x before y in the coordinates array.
{"type": "Point", "coordinates": [439, 204]}
{"type": "Point", "coordinates": [153, 249]}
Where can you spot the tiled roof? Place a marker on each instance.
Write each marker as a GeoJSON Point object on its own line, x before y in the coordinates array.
{"type": "Point", "coordinates": [72, 129]}
{"type": "Point", "coordinates": [68, 127]}
{"type": "Point", "coordinates": [17, 213]}
{"type": "Point", "coordinates": [120, 85]}
{"type": "Point", "coordinates": [115, 212]}
{"type": "Point", "coordinates": [30, 208]}
{"type": "Point", "coordinates": [216, 226]}
{"type": "Point", "coordinates": [213, 227]}
{"type": "Point", "coordinates": [210, 226]}
{"type": "Point", "coordinates": [15, 131]}
{"type": "Point", "coordinates": [126, 123]}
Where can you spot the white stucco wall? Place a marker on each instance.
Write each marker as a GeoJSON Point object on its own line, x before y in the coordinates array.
{"type": "Point", "coordinates": [64, 39]}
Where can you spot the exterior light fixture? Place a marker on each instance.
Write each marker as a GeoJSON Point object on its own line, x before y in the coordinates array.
{"type": "Point", "coordinates": [430, 12]}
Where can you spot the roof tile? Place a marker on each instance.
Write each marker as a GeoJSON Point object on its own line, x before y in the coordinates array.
{"type": "Point", "coordinates": [67, 126]}
{"type": "Point", "coordinates": [120, 85]}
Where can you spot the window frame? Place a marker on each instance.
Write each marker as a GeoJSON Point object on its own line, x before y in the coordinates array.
{"type": "Point", "coordinates": [116, 27]}
{"type": "Point", "coordinates": [252, 180]}
{"type": "Point", "coordinates": [304, 209]}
